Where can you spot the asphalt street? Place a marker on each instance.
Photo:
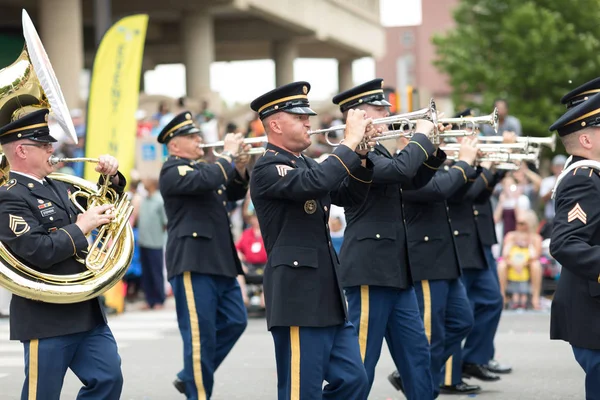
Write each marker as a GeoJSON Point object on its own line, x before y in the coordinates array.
{"type": "Point", "coordinates": [151, 352]}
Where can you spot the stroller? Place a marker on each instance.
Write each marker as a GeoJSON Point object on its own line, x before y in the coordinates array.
{"type": "Point", "coordinates": [254, 286]}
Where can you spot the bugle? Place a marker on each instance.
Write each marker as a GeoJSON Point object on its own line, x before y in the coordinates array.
{"type": "Point", "coordinates": [491, 119]}
{"type": "Point", "coordinates": [410, 126]}
{"type": "Point", "coordinates": [549, 141]}
{"type": "Point", "coordinates": [252, 151]}
{"type": "Point", "coordinates": [428, 113]}
{"type": "Point", "coordinates": [488, 147]}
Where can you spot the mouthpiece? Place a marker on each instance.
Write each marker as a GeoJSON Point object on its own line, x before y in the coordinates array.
{"type": "Point", "coordinates": [53, 160]}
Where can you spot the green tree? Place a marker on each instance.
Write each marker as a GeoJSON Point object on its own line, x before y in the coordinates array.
{"type": "Point", "coordinates": [531, 52]}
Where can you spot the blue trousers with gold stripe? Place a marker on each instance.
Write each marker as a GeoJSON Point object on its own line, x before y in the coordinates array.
{"type": "Point", "coordinates": [447, 317]}
{"type": "Point", "coordinates": [484, 295]}
{"type": "Point", "coordinates": [379, 312]}
{"type": "Point", "coordinates": [590, 362]}
{"type": "Point", "coordinates": [211, 317]}
{"type": "Point", "coordinates": [91, 355]}
{"type": "Point", "coordinates": [491, 262]}
{"type": "Point", "coordinates": [306, 356]}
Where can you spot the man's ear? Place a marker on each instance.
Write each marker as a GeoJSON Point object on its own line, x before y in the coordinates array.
{"type": "Point", "coordinates": [274, 125]}
{"type": "Point", "coordinates": [585, 140]}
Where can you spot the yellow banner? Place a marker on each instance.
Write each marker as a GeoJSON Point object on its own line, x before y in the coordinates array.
{"type": "Point", "coordinates": [114, 94]}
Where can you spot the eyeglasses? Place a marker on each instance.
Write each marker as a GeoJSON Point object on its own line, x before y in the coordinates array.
{"type": "Point", "coordinates": [39, 145]}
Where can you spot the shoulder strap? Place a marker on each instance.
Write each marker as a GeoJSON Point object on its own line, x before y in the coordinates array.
{"type": "Point", "coordinates": [570, 167]}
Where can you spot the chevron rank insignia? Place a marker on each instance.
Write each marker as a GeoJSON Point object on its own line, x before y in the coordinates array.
{"type": "Point", "coordinates": [283, 169]}
{"type": "Point", "coordinates": [577, 213]}
{"type": "Point", "coordinates": [18, 225]}
{"type": "Point", "coordinates": [184, 169]}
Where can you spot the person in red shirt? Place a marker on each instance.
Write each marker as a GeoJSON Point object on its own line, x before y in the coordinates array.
{"type": "Point", "coordinates": [252, 254]}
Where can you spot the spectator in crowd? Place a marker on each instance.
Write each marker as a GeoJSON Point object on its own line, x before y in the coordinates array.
{"type": "Point", "coordinates": [506, 122]}
{"type": "Point", "coordinates": [152, 223]}
{"type": "Point", "coordinates": [529, 183]}
{"type": "Point", "coordinates": [511, 203]}
{"type": "Point", "coordinates": [558, 163]}
{"type": "Point", "coordinates": [519, 268]}
{"type": "Point", "coordinates": [252, 254]}
{"type": "Point", "coordinates": [79, 148]}
{"type": "Point", "coordinates": [144, 125]}
{"type": "Point", "coordinates": [133, 277]}
{"type": "Point", "coordinates": [162, 117]}
{"type": "Point", "coordinates": [255, 127]}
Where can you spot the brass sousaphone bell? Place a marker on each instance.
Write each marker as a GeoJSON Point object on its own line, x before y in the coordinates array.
{"type": "Point", "coordinates": [27, 85]}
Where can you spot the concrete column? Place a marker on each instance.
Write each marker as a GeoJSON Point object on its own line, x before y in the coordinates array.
{"type": "Point", "coordinates": [345, 80]}
{"type": "Point", "coordinates": [61, 31]}
{"type": "Point", "coordinates": [284, 54]}
{"type": "Point", "coordinates": [198, 52]}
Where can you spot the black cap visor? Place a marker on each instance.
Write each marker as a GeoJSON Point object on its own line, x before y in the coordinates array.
{"type": "Point", "coordinates": [300, 110]}
{"type": "Point", "coordinates": [380, 102]}
{"type": "Point", "coordinates": [42, 136]}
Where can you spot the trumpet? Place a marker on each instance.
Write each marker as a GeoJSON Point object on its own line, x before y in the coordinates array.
{"type": "Point", "coordinates": [53, 160]}
{"type": "Point", "coordinates": [252, 151]}
{"type": "Point", "coordinates": [545, 141]}
{"type": "Point", "coordinates": [410, 125]}
{"type": "Point", "coordinates": [489, 148]}
{"type": "Point", "coordinates": [428, 113]}
{"type": "Point", "coordinates": [491, 119]}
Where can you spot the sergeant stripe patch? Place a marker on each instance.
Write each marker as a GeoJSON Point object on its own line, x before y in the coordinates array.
{"type": "Point", "coordinates": [577, 213]}
{"type": "Point", "coordinates": [283, 169]}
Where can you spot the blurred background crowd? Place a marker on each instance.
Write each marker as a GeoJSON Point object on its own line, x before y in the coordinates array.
{"type": "Point", "coordinates": [463, 53]}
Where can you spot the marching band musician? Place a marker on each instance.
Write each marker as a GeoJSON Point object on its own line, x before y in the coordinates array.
{"type": "Point", "coordinates": [42, 227]}
{"type": "Point", "coordinates": [480, 282]}
{"type": "Point", "coordinates": [486, 230]}
{"type": "Point", "coordinates": [575, 241]}
{"type": "Point", "coordinates": [374, 269]}
{"type": "Point", "coordinates": [292, 196]}
{"type": "Point", "coordinates": [435, 265]}
{"type": "Point", "coordinates": [202, 263]}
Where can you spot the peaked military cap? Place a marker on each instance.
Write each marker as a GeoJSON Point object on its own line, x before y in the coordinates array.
{"type": "Point", "coordinates": [581, 116]}
{"type": "Point", "coordinates": [291, 98]}
{"type": "Point", "coordinates": [182, 124]}
{"type": "Point", "coordinates": [32, 126]}
{"type": "Point", "coordinates": [464, 113]}
{"type": "Point", "coordinates": [368, 93]}
{"type": "Point", "coordinates": [581, 93]}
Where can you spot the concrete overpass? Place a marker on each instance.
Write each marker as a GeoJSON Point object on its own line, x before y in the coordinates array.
{"type": "Point", "coordinates": [198, 32]}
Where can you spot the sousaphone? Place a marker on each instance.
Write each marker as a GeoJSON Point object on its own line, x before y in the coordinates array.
{"type": "Point", "coordinates": [26, 85]}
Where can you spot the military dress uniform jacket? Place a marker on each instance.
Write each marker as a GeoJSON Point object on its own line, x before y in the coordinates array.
{"type": "Point", "coordinates": [431, 248]}
{"type": "Point", "coordinates": [199, 233]}
{"type": "Point", "coordinates": [38, 226]}
{"type": "Point", "coordinates": [464, 225]}
{"type": "Point", "coordinates": [484, 214]}
{"type": "Point", "coordinates": [374, 248]}
{"type": "Point", "coordinates": [292, 197]}
{"type": "Point", "coordinates": [575, 244]}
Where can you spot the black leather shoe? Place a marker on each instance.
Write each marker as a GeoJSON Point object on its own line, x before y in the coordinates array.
{"type": "Point", "coordinates": [478, 371]}
{"type": "Point", "coordinates": [179, 385]}
{"type": "Point", "coordinates": [460, 388]}
{"type": "Point", "coordinates": [497, 368]}
{"type": "Point", "coordinates": [396, 381]}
